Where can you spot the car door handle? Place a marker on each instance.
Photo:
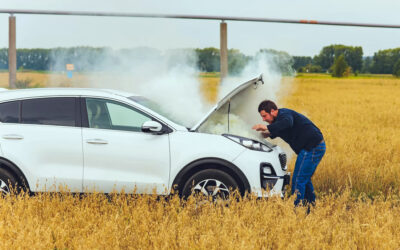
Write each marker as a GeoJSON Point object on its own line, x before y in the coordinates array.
{"type": "Point", "coordinates": [13, 137]}
{"type": "Point", "coordinates": [96, 141]}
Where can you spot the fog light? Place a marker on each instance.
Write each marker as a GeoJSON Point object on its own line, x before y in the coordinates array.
{"type": "Point", "coordinates": [267, 170]}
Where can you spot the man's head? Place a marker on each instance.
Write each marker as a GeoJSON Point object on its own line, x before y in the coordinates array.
{"type": "Point", "coordinates": [268, 111]}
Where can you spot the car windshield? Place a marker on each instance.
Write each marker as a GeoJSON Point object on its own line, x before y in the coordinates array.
{"type": "Point", "coordinates": [153, 106]}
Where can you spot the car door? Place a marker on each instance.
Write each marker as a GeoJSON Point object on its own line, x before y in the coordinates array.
{"type": "Point", "coordinates": [43, 137]}
{"type": "Point", "coordinates": [118, 155]}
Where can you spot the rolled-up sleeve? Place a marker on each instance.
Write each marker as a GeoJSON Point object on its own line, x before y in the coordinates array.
{"type": "Point", "coordinates": [285, 121]}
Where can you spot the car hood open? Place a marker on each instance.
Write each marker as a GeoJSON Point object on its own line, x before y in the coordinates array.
{"type": "Point", "coordinates": [253, 83]}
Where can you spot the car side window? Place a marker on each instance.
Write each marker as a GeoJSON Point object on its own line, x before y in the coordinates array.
{"type": "Point", "coordinates": [58, 111]}
{"type": "Point", "coordinates": [9, 112]}
{"type": "Point", "coordinates": [108, 114]}
{"type": "Point", "coordinates": [98, 116]}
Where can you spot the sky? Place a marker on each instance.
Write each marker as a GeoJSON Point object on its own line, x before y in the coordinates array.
{"type": "Point", "coordinates": [43, 31]}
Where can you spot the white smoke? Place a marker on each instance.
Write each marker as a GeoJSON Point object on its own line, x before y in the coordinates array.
{"type": "Point", "coordinates": [178, 91]}
{"type": "Point", "coordinates": [173, 82]}
{"type": "Point", "coordinates": [263, 63]}
{"type": "Point", "coordinates": [244, 106]}
{"type": "Point", "coordinates": [171, 79]}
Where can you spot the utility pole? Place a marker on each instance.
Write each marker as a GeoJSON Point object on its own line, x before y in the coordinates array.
{"type": "Point", "coordinates": [12, 52]}
{"type": "Point", "coordinates": [223, 49]}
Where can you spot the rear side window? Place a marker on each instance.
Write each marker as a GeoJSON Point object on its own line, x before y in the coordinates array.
{"type": "Point", "coordinates": [49, 111]}
{"type": "Point", "coordinates": [9, 112]}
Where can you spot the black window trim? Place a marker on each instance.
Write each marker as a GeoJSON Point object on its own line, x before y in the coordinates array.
{"type": "Point", "coordinates": [78, 116]}
{"type": "Point", "coordinates": [84, 114]}
{"type": "Point", "coordinates": [85, 121]}
{"type": "Point", "coordinates": [20, 112]}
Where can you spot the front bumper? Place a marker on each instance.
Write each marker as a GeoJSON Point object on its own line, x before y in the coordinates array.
{"type": "Point", "coordinates": [286, 181]}
{"type": "Point", "coordinates": [261, 168]}
{"type": "Point", "coordinates": [275, 184]}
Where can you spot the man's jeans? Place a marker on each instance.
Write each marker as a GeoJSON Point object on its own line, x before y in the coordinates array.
{"type": "Point", "coordinates": [306, 163]}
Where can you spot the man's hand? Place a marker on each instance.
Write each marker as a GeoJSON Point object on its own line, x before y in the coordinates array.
{"type": "Point", "coordinates": [265, 134]}
{"type": "Point", "coordinates": [263, 129]}
{"type": "Point", "coordinates": [260, 127]}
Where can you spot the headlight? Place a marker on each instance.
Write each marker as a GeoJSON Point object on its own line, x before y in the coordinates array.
{"type": "Point", "coordinates": [249, 143]}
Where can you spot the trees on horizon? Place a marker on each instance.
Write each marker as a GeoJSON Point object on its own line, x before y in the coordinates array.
{"type": "Point", "coordinates": [206, 59]}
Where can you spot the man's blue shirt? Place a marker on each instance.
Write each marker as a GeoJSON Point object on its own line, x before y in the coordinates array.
{"type": "Point", "coordinates": [295, 129]}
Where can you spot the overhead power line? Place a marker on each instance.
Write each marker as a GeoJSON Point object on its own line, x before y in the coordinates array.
{"type": "Point", "coordinates": [198, 17]}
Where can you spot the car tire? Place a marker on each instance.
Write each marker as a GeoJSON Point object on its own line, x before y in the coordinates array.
{"type": "Point", "coordinates": [7, 182]}
{"type": "Point", "coordinates": [210, 182]}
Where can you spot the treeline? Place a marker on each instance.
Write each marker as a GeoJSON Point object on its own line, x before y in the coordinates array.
{"type": "Point", "coordinates": [207, 59]}
{"type": "Point", "coordinates": [83, 58]}
{"type": "Point", "coordinates": [92, 59]}
{"type": "Point", "coordinates": [336, 56]}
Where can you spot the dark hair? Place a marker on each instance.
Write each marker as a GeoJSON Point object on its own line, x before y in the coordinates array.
{"type": "Point", "coordinates": [267, 105]}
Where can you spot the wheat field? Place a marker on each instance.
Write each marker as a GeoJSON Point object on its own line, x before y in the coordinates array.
{"type": "Point", "coordinates": [357, 184]}
{"type": "Point", "coordinates": [360, 122]}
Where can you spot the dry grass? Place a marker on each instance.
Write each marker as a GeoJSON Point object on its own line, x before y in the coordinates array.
{"type": "Point", "coordinates": [209, 87]}
{"type": "Point", "coordinates": [360, 122]}
{"type": "Point", "coordinates": [45, 80]}
{"type": "Point", "coordinates": [358, 181]}
{"type": "Point", "coordinates": [146, 222]}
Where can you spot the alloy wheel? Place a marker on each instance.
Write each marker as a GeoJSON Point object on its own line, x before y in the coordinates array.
{"type": "Point", "coordinates": [212, 188]}
{"type": "Point", "coordinates": [4, 188]}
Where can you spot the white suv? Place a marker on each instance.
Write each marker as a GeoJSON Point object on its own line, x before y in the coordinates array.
{"type": "Point", "coordinates": [106, 140]}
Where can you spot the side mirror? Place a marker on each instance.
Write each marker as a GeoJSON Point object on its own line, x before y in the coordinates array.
{"type": "Point", "coordinates": [152, 127]}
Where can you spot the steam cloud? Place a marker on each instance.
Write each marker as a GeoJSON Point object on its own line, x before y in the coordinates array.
{"type": "Point", "coordinates": [171, 80]}
{"type": "Point", "coordinates": [243, 110]}
{"type": "Point", "coordinates": [244, 107]}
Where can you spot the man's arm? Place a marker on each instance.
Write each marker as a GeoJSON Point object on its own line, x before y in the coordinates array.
{"type": "Point", "coordinates": [260, 127]}
{"type": "Point", "coordinates": [283, 123]}
{"type": "Point", "coordinates": [263, 129]}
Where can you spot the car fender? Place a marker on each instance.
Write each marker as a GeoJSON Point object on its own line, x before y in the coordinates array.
{"type": "Point", "coordinates": [201, 164]}
{"type": "Point", "coordinates": [189, 150]}
{"type": "Point", "coordinates": [16, 170]}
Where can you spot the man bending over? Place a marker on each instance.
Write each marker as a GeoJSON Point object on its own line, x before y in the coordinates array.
{"type": "Point", "coordinates": [304, 138]}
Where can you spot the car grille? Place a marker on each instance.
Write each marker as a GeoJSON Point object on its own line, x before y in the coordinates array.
{"type": "Point", "coordinates": [283, 159]}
